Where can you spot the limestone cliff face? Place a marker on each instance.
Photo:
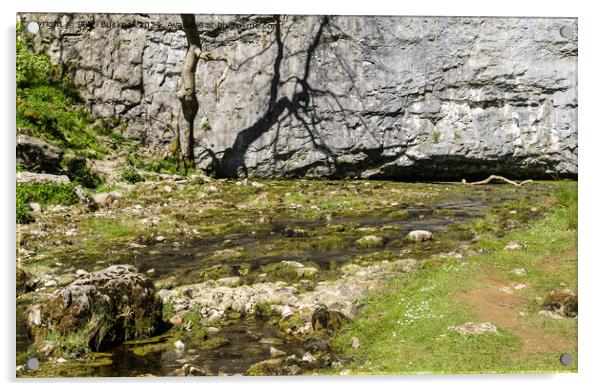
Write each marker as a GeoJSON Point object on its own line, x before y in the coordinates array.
{"type": "Point", "coordinates": [394, 97]}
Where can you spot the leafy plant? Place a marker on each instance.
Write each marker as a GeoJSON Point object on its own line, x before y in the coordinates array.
{"type": "Point", "coordinates": [23, 211]}
{"type": "Point", "coordinates": [130, 175]}
{"type": "Point", "coordinates": [78, 171]}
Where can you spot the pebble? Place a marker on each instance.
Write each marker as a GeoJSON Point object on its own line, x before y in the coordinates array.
{"type": "Point", "coordinates": [286, 312]}
{"type": "Point", "coordinates": [519, 272]}
{"type": "Point", "coordinates": [420, 235]}
{"type": "Point", "coordinates": [176, 320]}
{"type": "Point", "coordinates": [212, 330]}
{"type": "Point", "coordinates": [355, 342]}
{"type": "Point", "coordinates": [474, 328]}
{"type": "Point", "coordinates": [276, 352]}
{"type": "Point", "coordinates": [308, 357]}
{"type": "Point", "coordinates": [513, 246]}
{"type": "Point", "coordinates": [179, 345]}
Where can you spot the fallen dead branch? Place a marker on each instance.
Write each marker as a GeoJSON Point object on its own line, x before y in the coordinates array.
{"type": "Point", "coordinates": [496, 178]}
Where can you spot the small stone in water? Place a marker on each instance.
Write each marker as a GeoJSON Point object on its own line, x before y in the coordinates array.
{"type": "Point", "coordinates": [420, 235]}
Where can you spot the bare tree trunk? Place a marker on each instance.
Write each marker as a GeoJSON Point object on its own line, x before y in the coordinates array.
{"type": "Point", "coordinates": [187, 91]}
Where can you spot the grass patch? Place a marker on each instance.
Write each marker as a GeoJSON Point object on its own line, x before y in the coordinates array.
{"type": "Point", "coordinates": [49, 106]}
{"type": "Point", "coordinates": [405, 328]}
{"type": "Point", "coordinates": [110, 228]}
{"type": "Point", "coordinates": [168, 164]}
{"type": "Point", "coordinates": [46, 194]}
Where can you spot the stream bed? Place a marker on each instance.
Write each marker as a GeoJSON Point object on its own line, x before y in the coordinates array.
{"type": "Point", "coordinates": [245, 340]}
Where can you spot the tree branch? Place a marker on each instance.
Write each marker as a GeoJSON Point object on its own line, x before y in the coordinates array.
{"type": "Point", "coordinates": [496, 178]}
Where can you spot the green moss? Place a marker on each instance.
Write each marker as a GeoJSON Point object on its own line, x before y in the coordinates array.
{"type": "Point", "coordinates": [215, 343]}
{"type": "Point", "coordinates": [288, 271]}
{"type": "Point", "coordinates": [263, 310]}
{"type": "Point", "coordinates": [398, 214]}
{"type": "Point", "coordinates": [370, 241]}
{"type": "Point", "coordinates": [106, 228]}
{"type": "Point", "coordinates": [443, 212]}
{"type": "Point", "coordinates": [206, 126]}
{"type": "Point", "coordinates": [328, 243]}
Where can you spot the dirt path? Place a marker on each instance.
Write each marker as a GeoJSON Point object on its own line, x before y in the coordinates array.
{"type": "Point", "coordinates": [500, 303]}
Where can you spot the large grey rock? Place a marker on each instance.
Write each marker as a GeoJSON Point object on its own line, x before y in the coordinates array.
{"type": "Point", "coordinates": [393, 97]}
{"type": "Point", "coordinates": [37, 155]}
{"type": "Point", "coordinates": [34, 177]}
{"type": "Point", "coordinates": [106, 307]}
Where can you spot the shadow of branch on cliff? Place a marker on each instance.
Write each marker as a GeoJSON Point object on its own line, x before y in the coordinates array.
{"type": "Point", "coordinates": [301, 106]}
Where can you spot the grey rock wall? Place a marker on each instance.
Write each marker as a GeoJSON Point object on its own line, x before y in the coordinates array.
{"type": "Point", "coordinates": [394, 97]}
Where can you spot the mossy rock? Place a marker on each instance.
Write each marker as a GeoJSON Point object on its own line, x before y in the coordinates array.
{"type": "Point", "coordinates": [100, 310]}
{"type": "Point", "coordinates": [24, 281]}
{"type": "Point", "coordinates": [562, 301]}
{"type": "Point", "coordinates": [398, 214]}
{"type": "Point", "coordinates": [289, 271]}
{"type": "Point", "coordinates": [215, 272]}
{"type": "Point", "coordinates": [263, 310]}
{"type": "Point", "coordinates": [370, 241]}
{"type": "Point", "coordinates": [227, 255]}
{"type": "Point", "coordinates": [272, 367]}
{"type": "Point", "coordinates": [215, 343]}
{"type": "Point", "coordinates": [328, 320]}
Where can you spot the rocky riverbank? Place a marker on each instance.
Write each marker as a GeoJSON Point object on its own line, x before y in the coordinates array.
{"type": "Point", "coordinates": [297, 257]}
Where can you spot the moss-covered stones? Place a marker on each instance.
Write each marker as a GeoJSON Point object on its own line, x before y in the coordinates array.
{"type": "Point", "coordinates": [100, 310]}
{"type": "Point", "coordinates": [290, 271]}
{"type": "Point", "coordinates": [370, 241]}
